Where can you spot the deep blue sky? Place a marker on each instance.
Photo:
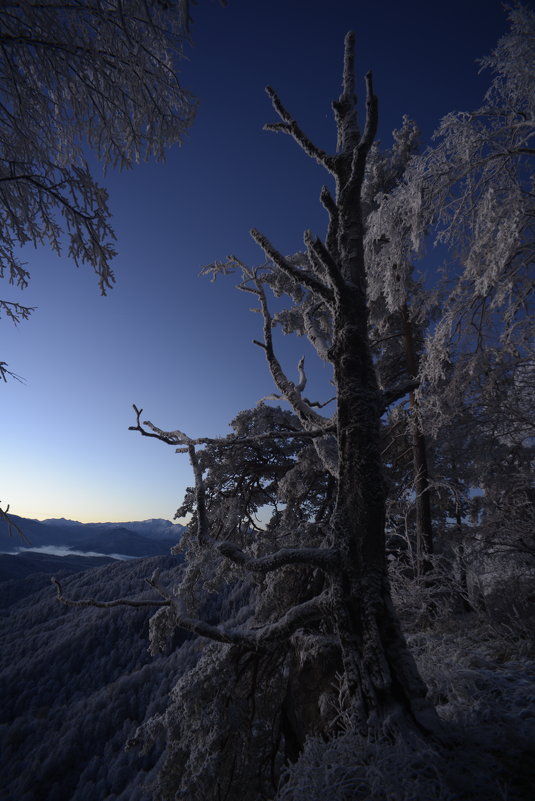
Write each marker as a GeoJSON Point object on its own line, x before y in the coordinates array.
{"type": "Point", "coordinates": [165, 339]}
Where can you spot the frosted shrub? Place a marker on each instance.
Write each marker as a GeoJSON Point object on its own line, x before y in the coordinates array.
{"type": "Point", "coordinates": [350, 768]}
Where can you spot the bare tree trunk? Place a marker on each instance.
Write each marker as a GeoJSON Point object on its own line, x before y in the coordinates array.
{"type": "Point", "coordinates": [424, 518]}
{"type": "Point", "coordinates": [381, 675]}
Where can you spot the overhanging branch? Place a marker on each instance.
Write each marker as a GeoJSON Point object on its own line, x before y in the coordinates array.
{"type": "Point", "coordinates": [104, 604]}
{"type": "Point", "coordinates": [254, 639]}
{"type": "Point", "coordinates": [178, 438]}
{"type": "Point", "coordinates": [326, 558]}
{"type": "Point", "coordinates": [397, 391]}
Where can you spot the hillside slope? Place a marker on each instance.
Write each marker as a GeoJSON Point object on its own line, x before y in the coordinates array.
{"type": "Point", "coordinates": [76, 682]}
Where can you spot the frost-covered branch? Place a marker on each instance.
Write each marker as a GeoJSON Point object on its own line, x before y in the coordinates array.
{"type": "Point", "coordinates": [316, 247]}
{"type": "Point", "coordinates": [254, 639]}
{"type": "Point", "coordinates": [392, 394]}
{"type": "Point", "coordinates": [287, 387]}
{"type": "Point", "coordinates": [331, 238]}
{"type": "Point", "coordinates": [104, 604]}
{"type": "Point", "coordinates": [200, 494]}
{"type": "Point", "coordinates": [15, 312]}
{"type": "Point", "coordinates": [302, 375]}
{"type": "Point", "coordinates": [4, 373]}
{"type": "Point", "coordinates": [325, 447]}
{"type": "Point", "coordinates": [73, 76]}
{"type": "Point", "coordinates": [290, 126]}
{"type": "Point", "coordinates": [345, 108]}
{"type": "Point", "coordinates": [301, 277]}
{"type": "Point", "coordinates": [360, 153]}
{"type": "Point", "coordinates": [326, 558]}
{"type": "Point", "coordinates": [178, 438]}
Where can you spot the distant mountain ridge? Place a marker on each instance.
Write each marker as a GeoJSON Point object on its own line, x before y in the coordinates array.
{"type": "Point", "coordinates": [154, 528]}
{"type": "Point", "coordinates": [135, 538]}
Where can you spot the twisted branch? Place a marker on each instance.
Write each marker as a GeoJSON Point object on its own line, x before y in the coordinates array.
{"type": "Point", "coordinates": [254, 639]}
{"type": "Point", "coordinates": [326, 558]}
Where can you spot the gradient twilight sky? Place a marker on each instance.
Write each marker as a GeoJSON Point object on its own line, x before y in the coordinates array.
{"type": "Point", "coordinates": [164, 338]}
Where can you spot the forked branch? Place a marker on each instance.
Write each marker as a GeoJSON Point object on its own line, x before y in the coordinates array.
{"type": "Point", "coordinates": [290, 126]}
{"type": "Point", "coordinates": [301, 277]}
{"type": "Point", "coordinates": [288, 389]}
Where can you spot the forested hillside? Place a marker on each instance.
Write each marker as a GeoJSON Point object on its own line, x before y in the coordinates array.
{"type": "Point", "coordinates": [75, 684]}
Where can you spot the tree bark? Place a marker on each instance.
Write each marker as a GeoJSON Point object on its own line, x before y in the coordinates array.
{"type": "Point", "coordinates": [381, 675]}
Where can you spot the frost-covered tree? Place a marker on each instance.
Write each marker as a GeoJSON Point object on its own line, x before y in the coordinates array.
{"type": "Point", "coordinates": [285, 579]}
{"type": "Point", "coordinates": [87, 74]}
{"type": "Point", "coordinates": [483, 345]}
{"type": "Point", "coordinates": [473, 192]}
{"type": "Point", "coordinates": [322, 603]}
{"type": "Point", "coordinates": [400, 313]}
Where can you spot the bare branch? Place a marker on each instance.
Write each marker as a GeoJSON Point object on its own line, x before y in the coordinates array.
{"type": "Point", "coordinates": [11, 525]}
